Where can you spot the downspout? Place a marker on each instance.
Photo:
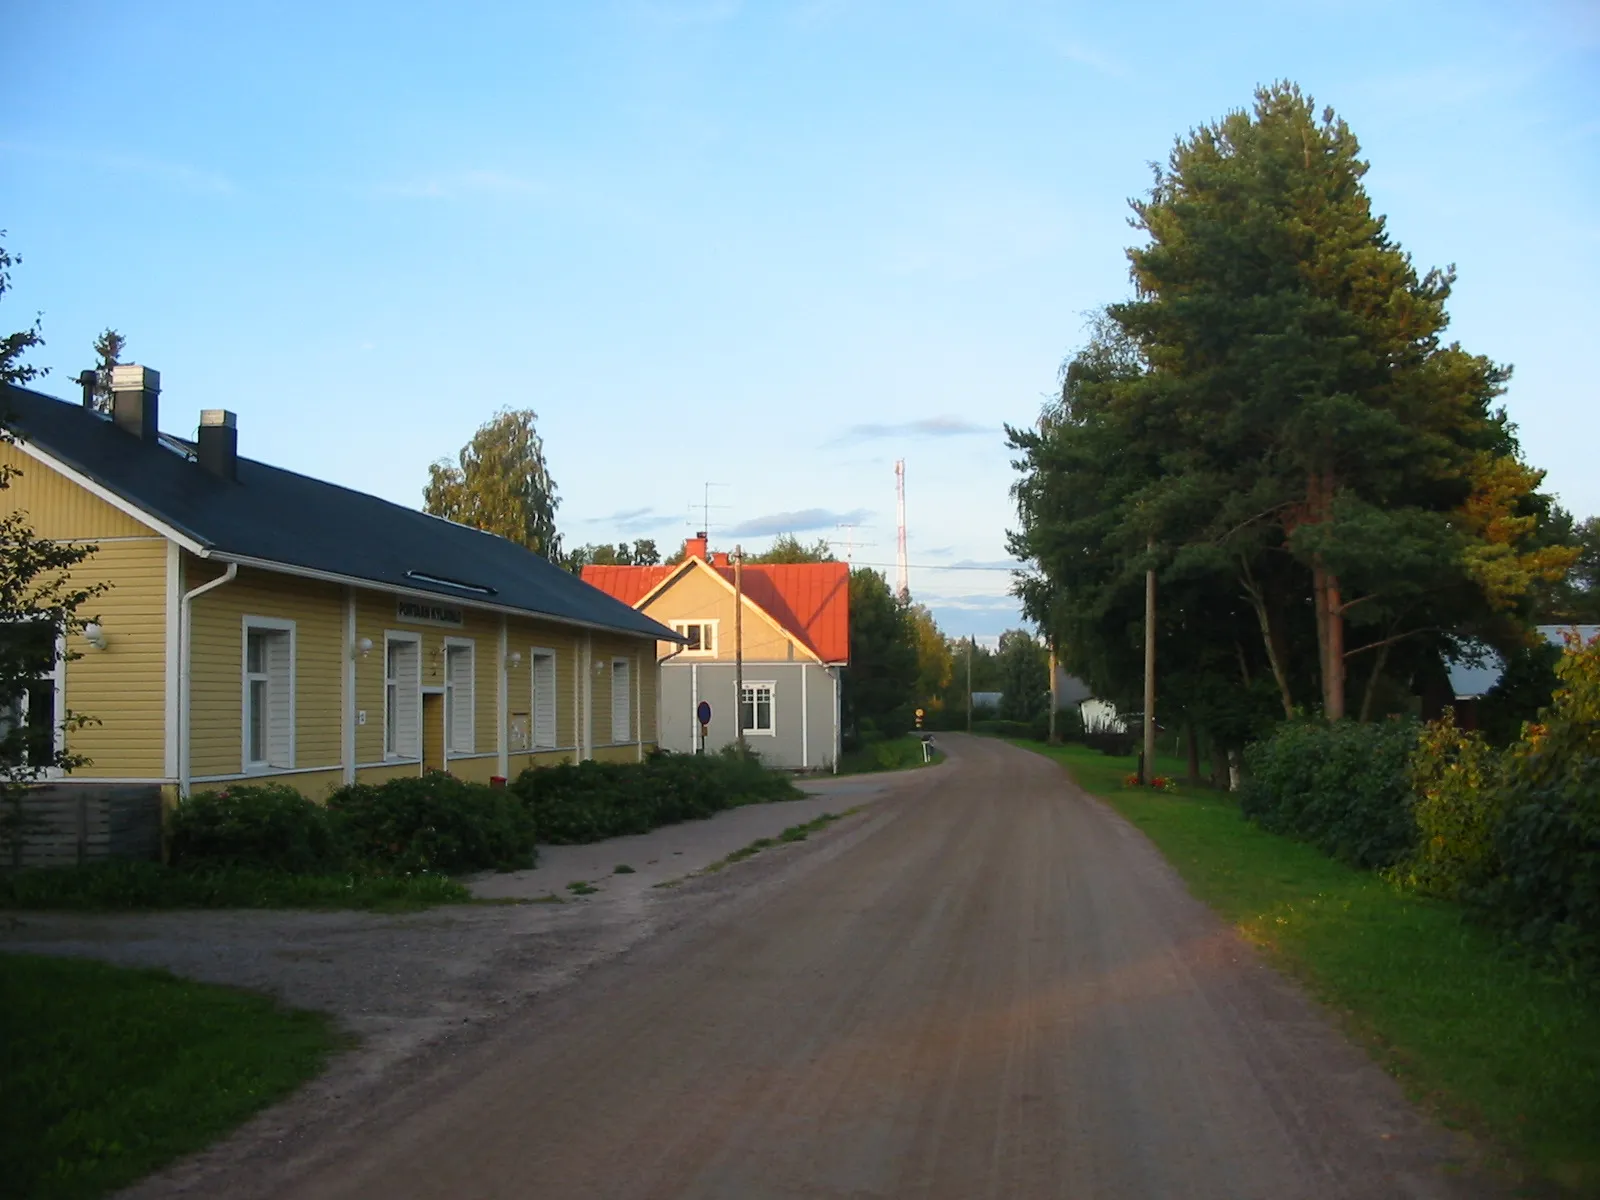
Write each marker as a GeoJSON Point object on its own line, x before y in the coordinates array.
{"type": "Point", "coordinates": [836, 673]}
{"type": "Point", "coordinates": [186, 675]}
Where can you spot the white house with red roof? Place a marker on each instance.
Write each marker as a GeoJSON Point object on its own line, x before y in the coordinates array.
{"type": "Point", "coordinates": [795, 644]}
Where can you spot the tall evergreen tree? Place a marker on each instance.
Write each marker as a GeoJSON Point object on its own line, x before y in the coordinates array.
{"type": "Point", "coordinates": [1275, 419]}
{"type": "Point", "coordinates": [501, 484]}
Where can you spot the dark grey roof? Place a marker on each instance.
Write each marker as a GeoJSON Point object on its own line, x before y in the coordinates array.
{"type": "Point", "coordinates": [280, 517]}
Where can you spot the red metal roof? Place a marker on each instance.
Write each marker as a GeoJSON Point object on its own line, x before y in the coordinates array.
{"type": "Point", "coordinates": [809, 600]}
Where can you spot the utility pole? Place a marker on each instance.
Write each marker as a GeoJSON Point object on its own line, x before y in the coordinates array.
{"type": "Point", "coordinates": [738, 644]}
{"type": "Point", "coordinates": [1147, 761]}
{"type": "Point", "coordinates": [902, 584]}
{"type": "Point", "coordinates": [1054, 697]}
{"type": "Point", "coordinates": [970, 640]}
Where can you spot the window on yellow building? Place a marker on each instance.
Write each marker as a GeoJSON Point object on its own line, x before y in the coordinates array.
{"type": "Point", "coordinates": [268, 700]}
{"type": "Point", "coordinates": [402, 686]}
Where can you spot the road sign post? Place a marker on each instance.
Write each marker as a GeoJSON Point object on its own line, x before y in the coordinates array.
{"type": "Point", "coordinates": [702, 713]}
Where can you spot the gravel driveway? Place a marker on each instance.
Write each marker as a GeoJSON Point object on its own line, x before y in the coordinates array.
{"type": "Point", "coordinates": [404, 982]}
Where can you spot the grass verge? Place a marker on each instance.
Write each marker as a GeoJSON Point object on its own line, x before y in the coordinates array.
{"type": "Point", "coordinates": [148, 885]}
{"type": "Point", "coordinates": [107, 1074]}
{"type": "Point", "coordinates": [1485, 1039]}
{"type": "Point", "coordinates": [895, 754]}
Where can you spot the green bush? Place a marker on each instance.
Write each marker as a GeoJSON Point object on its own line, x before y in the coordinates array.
{"type": "Point", "coordinates": [270, 825]}
{"type": "Point", "coordinates": [591, 801]}
{"type": "Point", "coordinates": [1344, 787]}
{"type": "Point", "coordinates": [1457, 804]}
{"type": "Point", "coordinates": [434, 823]}
{"type": "Point", "coordinates": [1545, 889]}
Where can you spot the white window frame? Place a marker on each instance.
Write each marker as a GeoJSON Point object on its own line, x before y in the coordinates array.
{"type": "Point", "coordinates": [705, 623]}
{"type": "Point", "coordinates": [626, 724]}
{"type": "Point", "coordinates": [249, 623]}
{"type": "Point", "coordinates": [57, 675]}
{"type": "Point", "coordinates": [411, 753]}
{"type": "Point", "coordinates": [452, 701]}
{"type": "Point", "coordinates": [771, 687]}
{"type": "Point", "coordinates": [535, 653]}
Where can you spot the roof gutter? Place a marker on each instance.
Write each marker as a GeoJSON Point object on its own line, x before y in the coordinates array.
{"type": "Point", "coordinates": [186, 672]}
{"type": "Point", "coordinates": [661, 633]}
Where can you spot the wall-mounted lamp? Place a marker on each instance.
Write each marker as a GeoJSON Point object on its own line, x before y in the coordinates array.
{"type": "Point", "coordinates": [95, 635]}
{"type": "Point", "coordinates": [363, 646]}
{"type": "Point", "coordinates": [600, 667]}
{"type": "Point", "coordinates": [514, 659]}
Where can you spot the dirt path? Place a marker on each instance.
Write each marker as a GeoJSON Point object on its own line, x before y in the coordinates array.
{"type": "Point", "coordinates": [990, 986]}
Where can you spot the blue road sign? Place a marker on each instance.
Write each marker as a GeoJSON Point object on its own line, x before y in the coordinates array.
{"type": "Point", "coordinates": [704, 712]}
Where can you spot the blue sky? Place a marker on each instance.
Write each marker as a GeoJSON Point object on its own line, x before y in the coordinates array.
{"type": "Point", "coordinates": [770, 246]}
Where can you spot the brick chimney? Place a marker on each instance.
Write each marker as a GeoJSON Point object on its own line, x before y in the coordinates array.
{"type": "Point", "coordinates": [135, 400]}
{"type": "Point", "coordinates": [695, 547]}
{"type": "Point", "coordinates": [720, 559]}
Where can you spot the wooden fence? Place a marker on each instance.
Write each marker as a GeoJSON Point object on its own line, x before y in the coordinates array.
{"type": "Point", "coordinates": [75, 823]}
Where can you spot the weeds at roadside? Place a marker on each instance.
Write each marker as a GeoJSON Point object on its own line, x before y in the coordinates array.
{"type": "Point", "coordinates": [623, 869]}
{"type": "Point", "coordinates": [795, 833]}
{"type": "Point", "coordinates": [579, 887]}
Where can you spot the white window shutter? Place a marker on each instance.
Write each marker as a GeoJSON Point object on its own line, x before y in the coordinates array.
{"type": "Point", "coordinates": [544, 701]}
{"type": "Point", "coordinates": [461, 735]}
{"type": "Point", "coordinates": [407, 681]}
{"type": "Point", "coordinates": [621, 698]}
{"type": "Point", "coordinates": [280, 700]}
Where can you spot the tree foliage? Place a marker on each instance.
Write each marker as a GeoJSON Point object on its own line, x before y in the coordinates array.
{"type": "Point", "coordinates": [40, 612]}
{"type": "Point", "coordinates": [642, 553]}
{"type": "Point", "coordinates": [880, 682]}
{"type": "Point", "coordinates": [500, 484]}
{"type": "Point", "coordinates": [1275, 423]}
{"type": "Point", "coordinates": [1024, 671]}
{"type": "Point", "coordinates": [14, 346]}
{"type": "Point", "coordinates": [108, 350]}
{"type": "Point", "coordinates": [786, 548]}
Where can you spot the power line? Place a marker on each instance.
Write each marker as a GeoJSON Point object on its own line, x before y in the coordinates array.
{"type": "Point", "coordinates": [934, 567]}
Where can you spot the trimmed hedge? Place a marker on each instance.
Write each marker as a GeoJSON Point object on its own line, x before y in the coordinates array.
{"type": "Point", "coordinates": [434, 823]}
{"type": "Point", "coordinates": [592, 801]}
{"type": "Point", "coordinates": [269, 826]}
{"type": "Point", "coordinates": [1344, 787]}
{"type": "Point", "coordinates": [403, 826]}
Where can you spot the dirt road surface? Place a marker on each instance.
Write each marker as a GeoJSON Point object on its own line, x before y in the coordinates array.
{"type": "Point", "coordinates": [987, 986]}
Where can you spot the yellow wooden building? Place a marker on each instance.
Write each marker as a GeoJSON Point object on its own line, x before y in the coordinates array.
{"type": "Point", "coordinates": [262, 625]}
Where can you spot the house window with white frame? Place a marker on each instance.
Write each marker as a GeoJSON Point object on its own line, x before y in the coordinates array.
{"type": "Point", "coordinates": [544, 699]}
{"type": "Point", "coordinates": [458, 697]}
{"type": "Point", "coordinates": [755, 708]}
{"type": "Point", "coordinates": [621, 700]}
{"type": "Point", "coordinates": [30, 718]}
{"type": "Point", "coordinates": [402, 697]}
{"type": "Point", "coordinates": [702, 637]}
{"type": "Point", "coordinates": [268, 694]}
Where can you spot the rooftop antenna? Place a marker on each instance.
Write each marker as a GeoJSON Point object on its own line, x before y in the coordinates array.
{"type": "Point", "coordinates": [850, 543]}
{"type": "Point", "coordinates": [705, 508]}
{"type": "Point", "coordinates": [902, 577]}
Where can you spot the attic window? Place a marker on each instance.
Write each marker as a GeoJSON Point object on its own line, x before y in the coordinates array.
{"type": "Point", "coordinates": [441, 581]}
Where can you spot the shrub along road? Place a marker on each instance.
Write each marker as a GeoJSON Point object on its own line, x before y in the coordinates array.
{"type": "Point", "coordinates": [993, 986]}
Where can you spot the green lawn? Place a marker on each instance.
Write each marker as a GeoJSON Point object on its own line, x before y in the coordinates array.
{"type": "Point", "coordinates": [107, 1073]}
{"type": "Point", "coordinates": [148, 885]}
{"type": "Point", "coordinates": [1484, 1039]}
{"type": "Point", "coordinates": [892, 754]}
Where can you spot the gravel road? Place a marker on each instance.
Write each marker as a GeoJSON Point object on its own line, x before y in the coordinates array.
{"type": "Point", "coordinates": [984, 985]}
